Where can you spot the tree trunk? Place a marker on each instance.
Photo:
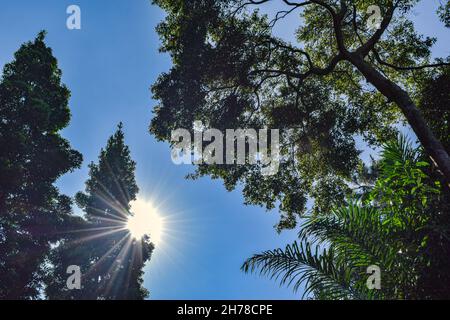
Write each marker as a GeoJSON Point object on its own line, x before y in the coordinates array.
{"type": "Point", "coordinates": [393, 92]}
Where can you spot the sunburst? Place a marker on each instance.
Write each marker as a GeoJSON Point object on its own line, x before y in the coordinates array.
{"type": "Point", "coordinates": [145, 221]}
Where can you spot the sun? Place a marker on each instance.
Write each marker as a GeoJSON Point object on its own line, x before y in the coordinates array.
{"type": "Point", "coordinates": [145, 221]}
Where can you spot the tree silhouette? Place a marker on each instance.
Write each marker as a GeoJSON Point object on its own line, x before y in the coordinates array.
{"type": "Point", "coordinates": [33, 110]}
{"type": "Point", "coordinates": [111, 261]}
{"type": "Point", "coordinates": [337, 79]}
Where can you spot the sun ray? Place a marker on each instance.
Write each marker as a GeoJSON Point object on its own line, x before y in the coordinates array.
{"type": "Point", "coordinates": [94, 236]}
{"type": "Point", "coordinates": [106, 254]}
{"type": "Point", "coordinates": [119, 261]}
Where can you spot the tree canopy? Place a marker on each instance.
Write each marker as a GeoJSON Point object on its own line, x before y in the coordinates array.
{"type": "Point", "coordinates": [347, 79]}
{"type": "Point", "coordinates": [400, 226]}
{"type": "Point", "coordinates": [335, 80]}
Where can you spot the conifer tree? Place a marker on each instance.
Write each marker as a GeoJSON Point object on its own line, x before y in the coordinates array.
{"type": "Point", "coordinates": [33, 155]}
{"type": "Point", "coordinates": [110, 260]}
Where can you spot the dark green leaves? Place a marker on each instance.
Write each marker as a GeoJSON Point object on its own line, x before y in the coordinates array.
{"type": "Point", "coordinates": [33, 155]}
{"type": "Point", "coordinates": [396, 228]}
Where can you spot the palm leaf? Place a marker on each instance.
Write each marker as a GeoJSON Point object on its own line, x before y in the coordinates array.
{"type": "Point", "coordinates": [300, 264]}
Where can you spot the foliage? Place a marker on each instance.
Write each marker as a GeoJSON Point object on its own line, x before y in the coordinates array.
{"type": "Point", "coordinates": [444, 13]}
{"type": "Point", "coordinates": [402, 227]}
{"type": "Point", "coordinates": [434, 102]}
{"type": "Point", "coordinates": [33, 155]}
{"type": "Point", "coordinates": [111, 260]}
{"type": "Point", "coordinates": [335, 80]}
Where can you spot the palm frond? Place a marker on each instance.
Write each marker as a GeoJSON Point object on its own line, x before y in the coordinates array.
{"type": "Point", "coordinates": [354, 232]}
{"type": "Point", "coordinates": [300, 264]}
{"type": "Point", "coordinates": [398, 153]}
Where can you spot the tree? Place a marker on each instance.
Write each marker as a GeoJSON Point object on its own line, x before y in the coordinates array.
{"type": "Point", "coordinates": [444, 13]}
{"type": "Point", "coordinates": [340, 79]}
{"type": "Point", "coordinates": [402, 227]}
{"type": "Point", "coordinates": [33, 155]}
{"type": "Point", "coordinates": [434, 102]}
{"type": "Point", "coordinates": [110, 260]}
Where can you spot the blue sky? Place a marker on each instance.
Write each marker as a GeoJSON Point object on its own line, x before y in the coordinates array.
{"type": "Point", "coordinates": [109, 66]}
